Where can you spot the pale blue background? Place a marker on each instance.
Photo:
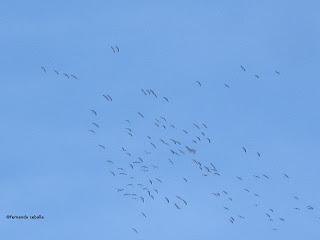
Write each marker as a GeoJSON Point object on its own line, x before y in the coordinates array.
{"type": "Point", "coordinates": [50, 164]}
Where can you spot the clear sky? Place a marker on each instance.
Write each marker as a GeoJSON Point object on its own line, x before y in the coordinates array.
{"type": "Point", "coordinates": [52, 165]}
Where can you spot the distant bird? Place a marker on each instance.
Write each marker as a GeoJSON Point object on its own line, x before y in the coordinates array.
{"type": "Point", "coordinates": [135, 230]}
{"type": "Point", "coordinates": [277, 72]}
{"type": "Point", "coordinates": [286, 175]}
{"type": "Point", "coordinates": [257, 76]}
{"type": "Point", "coordinates": [244, 149]}
{"type": "Point", "coordinates": [259, 154]}
{"type": "Point", "coordinates": [175, 141]}
{"type": "Point", "coordinates": [107, 97]}
{"type": "Point", "coordinates": [117, 48]}
{"type": "Point", "coordinates": [143, 214]}
{"type": "Point", "coordinates": [163, 118]}
{"type": "Point", "coordinates": [96, 125]}
{"type": "Point", "coordinates": [144, 92]}
{"type": "Point", "coordinates": [92, 131]}
{"type": "Point", "coordinates": [73, 76]}
{"type": "Point", "coordinates": [310, 207]}
{"type": "Point", "coordinates": [185, 179]}
{"type": "Point", "coordinates": [56, 72]}
{"type": "Point", "coordinates": [199, 83]}
{"type": "Point", "coordinates": [43, 69]}
{"type": "Point", "coordinates": [167, 199]}
{"type": "Point", "coordinates": [227, 85]}
{"type": "Point", "coordinates": [140, 114]}
{"type": "Point", "coordinates": [177, 206]}
{"type": "Point", "coordinates": [191, 150]}
{"type": "Point", "coordinates": [102, 146]}
{"type": "Point", "coordinates": [113, 49]}
{"type": "Point", "coordinates": [243, 68]}
{"type": "Point", "coordinates": [165, 98]}
{"type": "Point", "coordinates": [66, 75]}
{"type": "Point", "coordinates": [153, 93]}
{"type": "Point", "coordinates": [94, 112]}
{"type": "Point", "coordinates": [180, 198]}
{"type": "Point", "coordinates": [196, 125]}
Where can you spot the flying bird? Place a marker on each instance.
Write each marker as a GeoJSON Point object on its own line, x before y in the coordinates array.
{"type": "Point", "coordinates": [102, 146]}
{"type": "Point", "coordinates": [73, 76]}
{"type": "Point", "coordinates": [43, 69]}
{"type": "Point", "coordinates": [135, 230]}
{"type": "Point", "coordinates": [94, 112]}
{"type": "Point", "coordinates": [191, 150]}
{"type": "Point", "coordinates": [66, 75]}
{"type": "Point", "coordinates": [177, 206]}
{"type": "Point", "coordinates": [243, 68]}
{"type": "Point", "coordinates": [244, 149]}
{"type": "Point", "coordinates": [107, 97]}
{"type": "Point", "coordinates": [180, 198]}
{"type": "Point", "coordinates": [140, 114]}
{"type": "Point", "coordinates": [199, 83]}
{"type": "Point", "coordinates": [144, 92]}
{"type": "Point", "coordinates": [286, 175]}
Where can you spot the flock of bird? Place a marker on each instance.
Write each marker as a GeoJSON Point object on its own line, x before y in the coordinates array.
{"type": "Point", "coordinates": [178, 148]}
{"type": "Point", "coordinates": [66, 75]}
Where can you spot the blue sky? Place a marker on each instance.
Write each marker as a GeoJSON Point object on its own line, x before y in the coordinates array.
{"type": "Point", "coordinates": [51, 165]}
